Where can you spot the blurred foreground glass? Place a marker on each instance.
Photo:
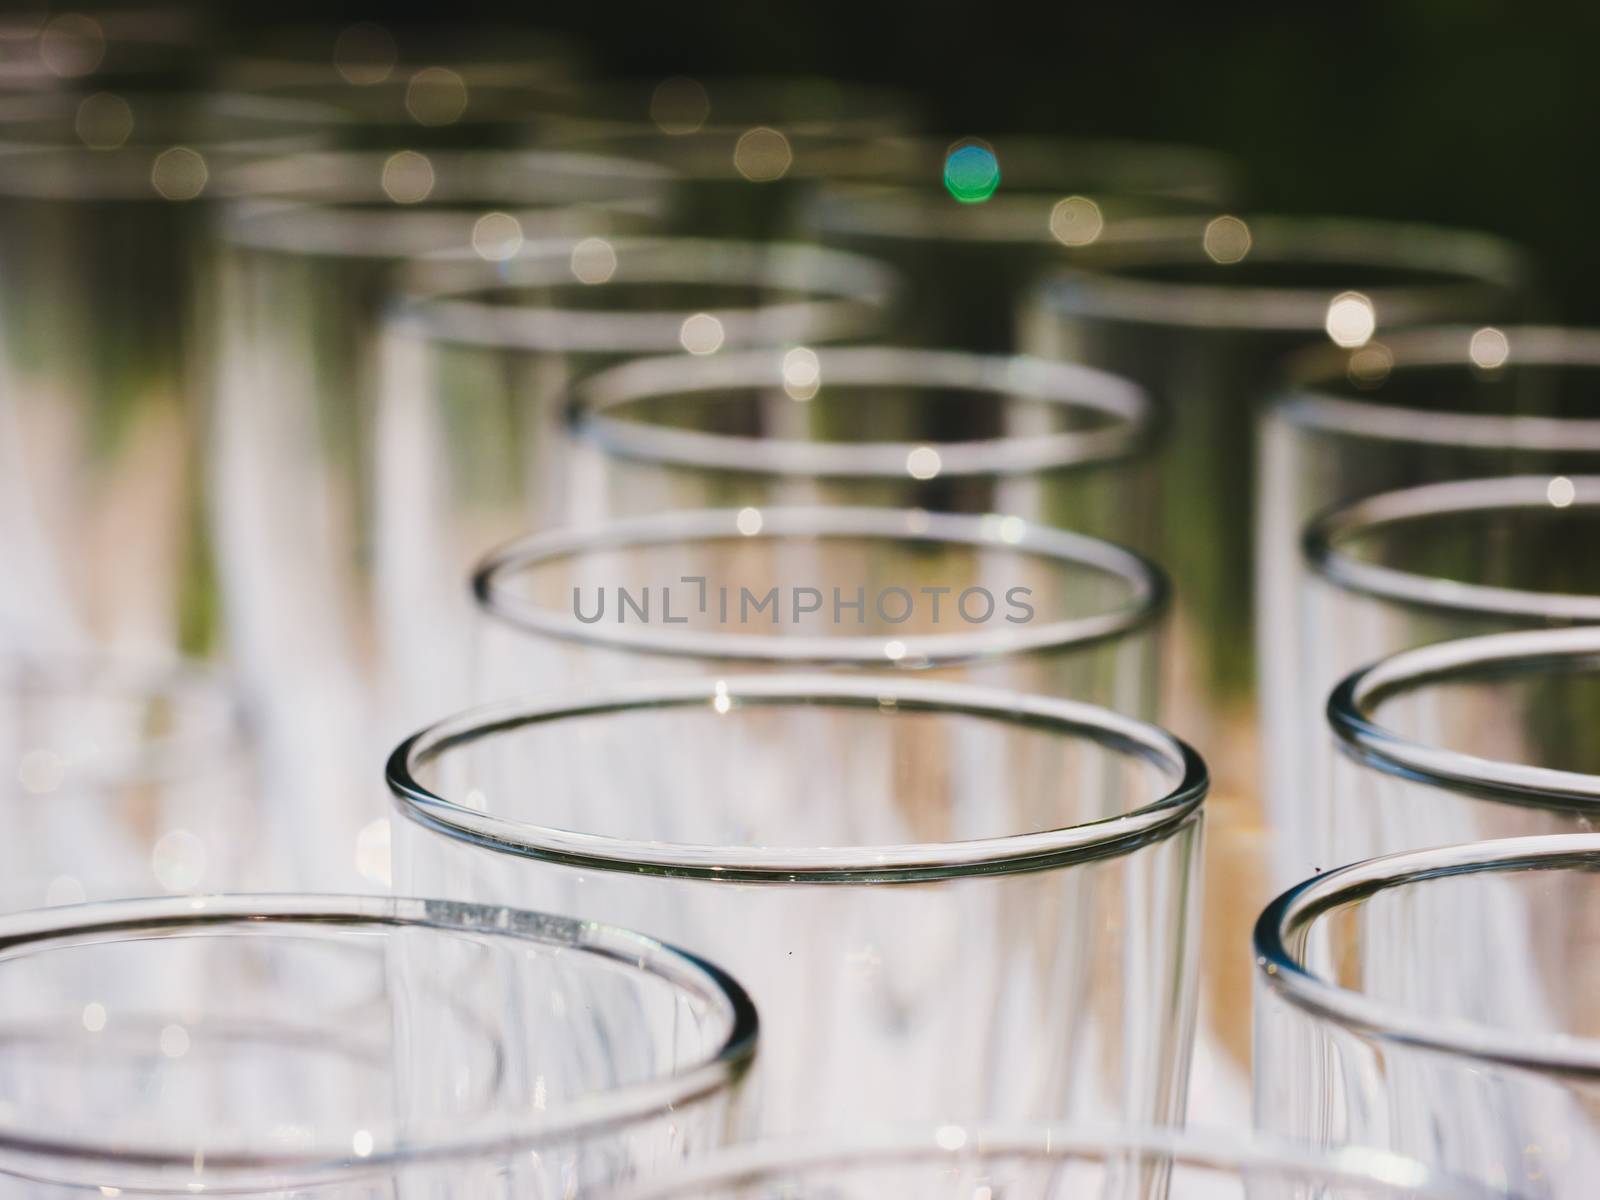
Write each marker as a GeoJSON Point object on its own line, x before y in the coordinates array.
{"type": "Point", "coordinates": [1048, 442]}
{"type": "Point", "coordinates": [1409, 568]}
{"type": "Point", "coordinates": [368, 1048]}
{"type": "Point", "coordinates": [885, 591]}
{"type": "Point", "coordinates": [103, 204]}
{"type": "Point", "coordinates": [973, 224]}
{"type": "Point", "coordinates": [1024, 1162]}
{"type": "Point", "coordinates": [473, 440]}
{"type": "Point", "coordinates": [1441, 1004]}
{"type": "Point", "coordinates": [303, 268]}
{"type": "Point", "coordinates": [125, 781]}
{"type": "Point", "coordinates": [948, 901]}
{"type": "Point", "coordinates": [1466, 740]}
{"type": "Point", "coordinates": [1419, 406]}
{"type": "Point", "coordinates": [99, 48]}
{"type": "Point", "coordinates": [747, 152]}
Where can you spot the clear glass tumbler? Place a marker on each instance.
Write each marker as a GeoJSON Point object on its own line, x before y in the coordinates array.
{"type": "Point", "coordinates": [1440, 1003]}
{"type": "Point", "coordinates": [1420, 406]}
{"type": "Point", "coordinates": [1466, 740]}
{"type": "Point", "coordinates": [890, 592]}
{"type": "Point", "coordinates": [123, 779]}
{"type": "Point", "coordinates": [1055, 443]}
{"type": "Point", "coordinates": [1033, 1162]}
{"type": "Point", "coordinates": [949, 902]}
{"type": "Point", "coordinates": [363, 1048]}
{"type": "Point", "coordinates": [1409, 568]}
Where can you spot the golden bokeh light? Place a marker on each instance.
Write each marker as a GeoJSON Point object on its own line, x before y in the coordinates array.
{"type": "Point", "coordinates": [436, 96]}
{"type": "Point", "coordinates": [762, 155]}
{"type": "Point", "coordinates": [1351, 320]}
{"type": "Point", "coordinates": [1076, 221]}
{"type": "Point", "coordinates": [72, 45]}
{"type": "Point", "coordinates": [679, 105]}
{"type": "Point", "coordinates": [594, 260]}
{"type": "Point", "coordinates": [365, 54]}
{"type": "Point", "coordinates": [408, 177]}
{"type": "Point", "coordinates": [802, 373]}
{"type": "Point", "coordinates": [1226, 239]}
{"type": "Point", "coordinates": [1489, 348]}
{"type": "Point", "coordinates": [1370, 365]}
{"type": "Point", "coordinates": [497, 236]}
{"type": "Point", "coordinates": [1561, 492]}
{"type": "Point", "coordinates": [103, 121]}
{"type": "Point", "coordinates": [702, 334]}
{"type": "Point", "coordinates": [179, 173]}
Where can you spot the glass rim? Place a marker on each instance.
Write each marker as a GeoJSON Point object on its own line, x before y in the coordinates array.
{"type": "Point", "coordinates": [1276, 967]}
{"type": "Point", "coordinates": [1386, 1172]}
{"type": "Point", "coordinates": [1351, 705]}
{"type": "Point", "coordinates": [1148, 599]}
{"type": "Point", "coordinates": [848, 295]}
{"type": "Point", "coordinates": [1306, 403]}
{"type": "Point", "coordinates": [159, 759]}
{"type": "Point", "coordinates": [1106, 837]}
{"type": "Point", "coordinates": [1481, 266]}
{"type": "Point", "coordinates": [332, 202]}
{"type": "Point", "coordinates": [259, 914]}
{"type": "Point", "coordinates": [1321, 538]}
{"type": "Point", "coordinates": [1060, 385]}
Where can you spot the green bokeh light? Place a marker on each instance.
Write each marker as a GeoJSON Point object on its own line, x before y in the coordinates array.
{"type": "Point", "coordinates": [971, 173]}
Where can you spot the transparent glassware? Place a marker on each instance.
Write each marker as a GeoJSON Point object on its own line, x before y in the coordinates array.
{"type": "Point", "coordinates": [1418, 566]}
{"type": "Point", "coordinates": [474, 445]}
{"type": "Point", "coordinates": [123, 779]}
{"type": "Point", "coordinates": [100, 48]}
{"type": "Point", "coordinates": [887, 592]}
{"type": "Point", "coordinates": [355, 1047]}
{"type": "Point", "coordinates": [748, 152]}
{"type": "Point", "coordinates": [303, 260]}
{"type": "Point", "coordinates": [104, 199]}
{"type": "Point", "coordinates": [947, 901]}
{"type": "Point", "coordinates": [1035, 1162]}
{"type": "Point", "coordinates": [971, 265]}
{"type": "Point", "coordinates": [1417, 407]}
{"type": "Point", "coordinates": [1466, 740]}
{"type": "Point", "coordinates": [1439, 1003]}
{"type": "Point", "coordinates": [1200, 310]}
{"type": "Point", "coordinates": [874, 425]}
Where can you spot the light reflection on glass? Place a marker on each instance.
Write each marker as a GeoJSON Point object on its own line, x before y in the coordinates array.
{"type": "Point", "coordinates": [1226, 239]}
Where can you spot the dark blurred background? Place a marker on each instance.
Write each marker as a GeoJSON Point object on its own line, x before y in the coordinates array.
{"type": "Point", "coordinates": [1466, 112]}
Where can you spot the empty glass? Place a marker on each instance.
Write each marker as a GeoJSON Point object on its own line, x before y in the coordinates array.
{"type": "Point", "coordinates": [1466, 740]}
{"type": "Point", "coordinates": [1200, 310]}
{"type": "Point", "coordinates": [473, 445]}
{"type": "Point", "coordinates": [1408, 568]}
{"type": "Point", "coordinates": [948, 901]}
{"type": "Point", "coordinates": [1051, 442]}
{"type": "Point", "coordinates": [338, 1046]}
{"type": "Point", "coordinates": [102, 389]}
{"type": "Point", "coordinates": [888, 591]}
{"type": "Point", "coordinates": [127, 780]}
{"type": "Point", "coordinates": [1441, 1003]}
{"type": "Point", "coordinates": [1023, 1162]}
{"type": "Point", "coordinates": [1421, 406]}
{"type": "Point", "coordinates": [973, 224]}
{"type": "Point", "coordinates": [747, 152]}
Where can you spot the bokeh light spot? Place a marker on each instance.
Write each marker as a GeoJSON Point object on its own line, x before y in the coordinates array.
{"type": "Point", "coordinates": [762, 155]}
{"type": "Point", "coordinates": [1226, 239]}
{"type": "Point", "coordinates": [1076, 221]}
{"type": "Point", "coordinates": [179, 173]}
{"type": "Point", "coordinates": [1489, 348]}
{"type": "Point", "coordinates": [594, 260]}
{"type": "Point", "coordinates": [72, 45]}
{"type": "Point", "coordinates": [971, 172]}
{"type": "Point", "coordinates": [407, 177]}
{"type": "Point", "coordinates": [365, 54]}
{"type": "Point", "coordinates": [702, 334]}
{"type": "Point", "coordinates": [497, 236]}
{"type": "Point", "coordinates": [1370, 365]}
{"type": "Point", "coordinates": [1561, 492]}
{"type": "Point", "coordinates": [748, 522]}
{"type": "Point", "coordinates": [802, 373]}
{"type": "Point", "coordinates": [1351, 320]}
{"type": "Point", "coordinates": [103, 121]}
{"type": "Point", "coordinates": [923, 463]}
{"type": "Point", "coordinates": [436, 96]}
{"type": "Point", "coordinates": [679, 105]}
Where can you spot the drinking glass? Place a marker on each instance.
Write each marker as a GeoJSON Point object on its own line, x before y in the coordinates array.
{"type": "Point", "coordinates": [949, 901]}
{"type": "Point", "coordinates": [1200, 310]}
{"type": "Point", "coordinates": [1413, 567]}
{"type": "Point", "coordinates": [1465, 740]}
{"type": "Point", "coordinates": [972, 247]}
{"type": "Point", "coordinates": [710, 592]}
{"type": "Point", "coordinates": [127, 779]}
{"type": "Point", "coordinates": [1055, 443]}
{"type": "Point", "coordinates": [473, 445]}
{"type": "Point", "coordinates": [1038, 1162]}
{"type": "Point", "coordinates": [101, 49]}
{"type": "Point", "coordinates": [748, 151]}
{"type": "Point", "coordinates": [354, 1047]}
{"type": "Point", "coordinates": [1439, 1003]}
{"type": "Point", "coordinates": [103, 200]}
{"type": "Point", "coordinates": [303, 261]}
{"type": "Point", "coordinates": [1421, 406]}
